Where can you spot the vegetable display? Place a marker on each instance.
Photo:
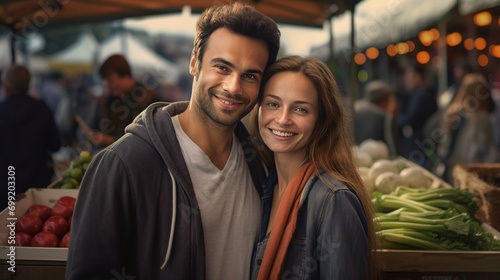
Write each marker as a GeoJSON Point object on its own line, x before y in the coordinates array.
{"type": "Point", "coordinates": [430, 219]}
{"type": "Point", "coordinates": [416, 210]}
{"type": "Point", "coordinates": [72, 177]}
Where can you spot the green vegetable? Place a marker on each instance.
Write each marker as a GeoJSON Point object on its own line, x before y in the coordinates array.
{"type": "Point", "coordinates": [432, 219]}
{"type": "Point", "coordinates": [459, 223]}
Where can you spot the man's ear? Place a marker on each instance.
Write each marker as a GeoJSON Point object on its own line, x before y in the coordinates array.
{"type": "Point", "coordinates": [193, 65]}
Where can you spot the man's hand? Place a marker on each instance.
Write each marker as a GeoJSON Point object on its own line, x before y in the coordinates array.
{"type": "Point", "coordinates": [98, 138]}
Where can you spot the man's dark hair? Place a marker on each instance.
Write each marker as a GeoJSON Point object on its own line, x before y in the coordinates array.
{"type": "Point", "coordinates": [115, 64]}
{"type": "Point", "coordinates": [378, 92]}
{"type": "Point", "coordinates": [241, 19]}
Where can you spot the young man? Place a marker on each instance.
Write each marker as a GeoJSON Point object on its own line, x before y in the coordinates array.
{"type": "Point", "coordinates": [177, 197]}
{"type": "Point", "coordinates": [127, 98]}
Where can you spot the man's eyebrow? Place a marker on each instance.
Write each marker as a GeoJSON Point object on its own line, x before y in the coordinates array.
{"type": "Point", "coordinates": [231, 65]}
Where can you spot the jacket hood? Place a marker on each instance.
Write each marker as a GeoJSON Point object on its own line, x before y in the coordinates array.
{"type": "Point", "coordinates": [154, 126]}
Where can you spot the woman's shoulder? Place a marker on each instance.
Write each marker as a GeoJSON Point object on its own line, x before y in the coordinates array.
{"type": "Point", "coordinates": [323, 186]}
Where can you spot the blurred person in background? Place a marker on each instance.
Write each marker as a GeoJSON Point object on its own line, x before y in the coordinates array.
{"type": "Point", "coordinates": [373, 114]}
{"type": "Point", "coordinates": [53, 90]}
{"type": "Point", "coordinates": [433, 127]}
{"type": "Point", "coordinates": [467, 125]}
{"type": "Point", "coordinates": [29, 134]}
{"type": "Point", "coordinates": [124, 100]}
{"type": "Point", "coordinates": [460, 69]}
{"type": "Point", "coordinates": [416, 104]}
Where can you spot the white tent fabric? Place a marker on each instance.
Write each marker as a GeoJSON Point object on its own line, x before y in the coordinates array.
{"type": "Point", "coordinates": [382, 22]}
{"type": "Point", "coordinates": [83, 51]}
{"type": "Point", "coordinates": [467, 7]}
{"type": "Point", "coordinates": [142, 59]}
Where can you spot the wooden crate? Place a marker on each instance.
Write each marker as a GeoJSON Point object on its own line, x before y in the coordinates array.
{"type": "Point", "coordinates": [442, 265]}
{"type": "Point", "coordinates": [484, 181]}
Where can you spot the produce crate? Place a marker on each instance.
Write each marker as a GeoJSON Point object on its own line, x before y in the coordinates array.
{"type": "Point", "coordinates": [442, 265]}
{"type": "Point", "coordinates": [484, 181]}
{"type": "Point", "coordinates": [32, 263]}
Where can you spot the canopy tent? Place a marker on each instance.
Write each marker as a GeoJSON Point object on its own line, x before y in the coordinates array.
{"type": "Point", "coordinates": [467, 7]}
{"type": "Point", "coordinates": [142, 59]}
{"type": "Point", "coordinates": [79, 57]}
{"type": "Point", "coordinates": [383, 22]}
{"type": "Point", "coordinates": [32, 15]}
{"type": "Point", "coordinates": [36, 64]}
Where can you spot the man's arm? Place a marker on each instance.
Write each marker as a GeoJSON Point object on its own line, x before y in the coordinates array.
{"type": "Point", "coordinates": [101, 224]}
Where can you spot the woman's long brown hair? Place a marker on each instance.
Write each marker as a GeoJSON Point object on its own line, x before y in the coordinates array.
{"type": "Point", "coordinates": [329, 147]}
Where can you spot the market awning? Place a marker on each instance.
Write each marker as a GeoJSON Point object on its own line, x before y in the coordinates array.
{"type": "Point", "coordinates": [79, 57]}
{"type": "Point", "coordinates": [467, 7]}
{"type": "Point", "coordinates": [35, 15]}
{"type": "Point", "coordinates": [378, 25]}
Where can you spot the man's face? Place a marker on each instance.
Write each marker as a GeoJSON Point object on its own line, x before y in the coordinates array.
{"type": "Point", "coordinates": [115, 84]}
{"type": "Point", "coordinates": [227, 86]}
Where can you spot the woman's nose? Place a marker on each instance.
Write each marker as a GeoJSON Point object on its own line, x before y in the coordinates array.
{"type": "Point", "coordinates": [283, 118]}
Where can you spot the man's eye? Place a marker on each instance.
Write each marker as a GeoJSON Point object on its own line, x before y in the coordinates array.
{"type": "Point", "coordinates": [221, 67]}
{"type": "Point", "coordinates": [249, 76]}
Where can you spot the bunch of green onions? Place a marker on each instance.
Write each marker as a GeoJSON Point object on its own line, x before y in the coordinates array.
{"type": "Point", "coordinates": [430, 219]}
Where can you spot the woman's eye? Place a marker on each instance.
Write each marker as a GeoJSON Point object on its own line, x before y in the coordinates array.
{"type": "Point", "coordinates": [272, 104]}
{"type": "Point", "coordinates": [302, 110]}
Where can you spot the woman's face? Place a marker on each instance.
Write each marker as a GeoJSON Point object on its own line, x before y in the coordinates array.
{"type": "Point", "coordinates": [288, 112]}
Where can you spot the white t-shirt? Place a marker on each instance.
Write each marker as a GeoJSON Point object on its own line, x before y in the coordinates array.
{"type": "Point", "coordinates": [230, 208]}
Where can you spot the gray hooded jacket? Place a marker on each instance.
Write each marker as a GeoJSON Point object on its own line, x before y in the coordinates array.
{"type": "Point", "coordinates": [136, 215]}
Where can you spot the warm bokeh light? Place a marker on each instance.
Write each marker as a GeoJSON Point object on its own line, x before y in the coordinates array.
{"type": "Point", "coordinates": [469, 44]}
{"type": "Point", "coordinates": [363, 76]}
{"type": "Point", "coordinates": [423, 57]}
{"type": "Point", "coordinates": [426, 37]}
{"type": "Point", "coordinates": [482, 60]}
{"type": "Point", "coordinates": [495, 50]}
{"type": "Point", "coordinates": [372, 53]}
{"type": "Point", "coordinates": [402, 48]}
{"type": "Point", "coordinates": [482, 18]}
{"type": "Point", "coordinates": [480, 43]}
{"type": "Point", "coordinates": [435, 34]}
{"type": "Point", "coordinates": [453, 39]}
{"type": "Point", "coordinates": [360, 58]}
{"type": "Point", "coordinates": [391, 50]}
{"type": "Point", "coordinates": [411, 46]}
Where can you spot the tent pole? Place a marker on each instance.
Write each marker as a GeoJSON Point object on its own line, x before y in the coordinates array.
{"type": "Point", "coordinates": [12, 43]}
{"type": "Point", "coordinates": [331, 60]}
{"type": "Point", "coordinates": [443, 53]}
{"type": "Point", "coordinates": [352, 75]}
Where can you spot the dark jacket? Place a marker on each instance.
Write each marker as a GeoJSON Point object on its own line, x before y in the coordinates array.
{"type": "Point", "coordinates": [29, 136]}
{"type": "Point", "coordinates": [135, 193]}
{"type": "Point", "coordinates": [330, 239]}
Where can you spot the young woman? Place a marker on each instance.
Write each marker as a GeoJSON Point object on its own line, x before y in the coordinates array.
{"type": "Point", "coordinates": [467, 125]}
{"type": "Point", "coordinates": [317, 216]}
